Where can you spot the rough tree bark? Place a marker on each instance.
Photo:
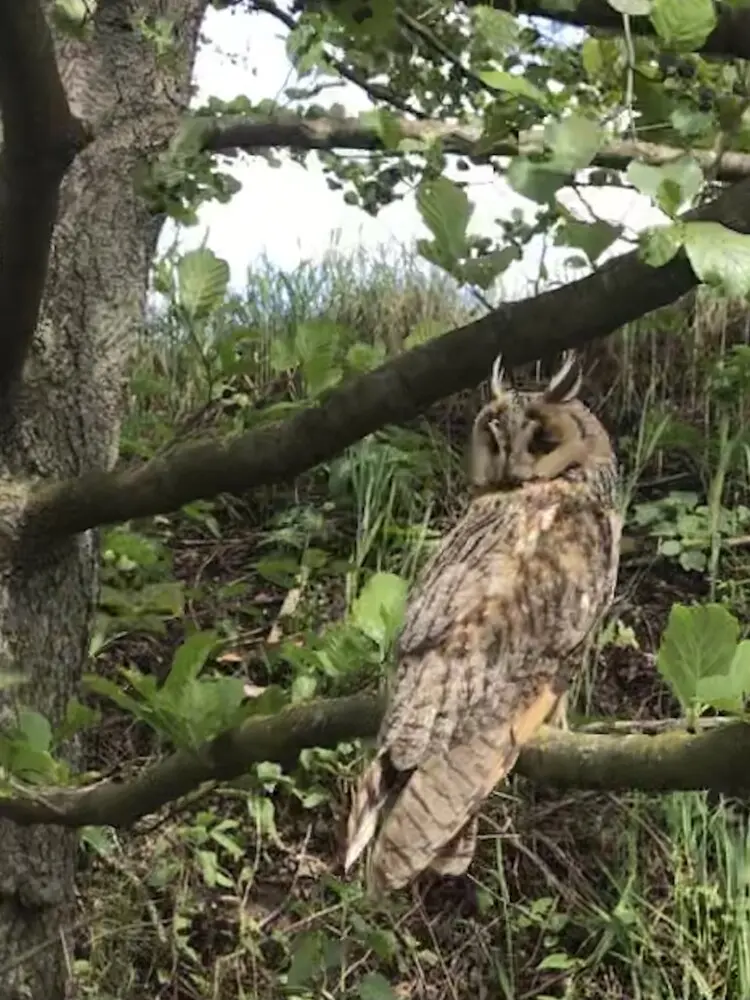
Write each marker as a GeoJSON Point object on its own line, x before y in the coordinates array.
{"type": "Point", "coordinates": [64, 420]}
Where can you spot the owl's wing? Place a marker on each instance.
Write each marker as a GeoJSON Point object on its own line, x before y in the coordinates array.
{"type": "Point", "coordinates": [510, 593]}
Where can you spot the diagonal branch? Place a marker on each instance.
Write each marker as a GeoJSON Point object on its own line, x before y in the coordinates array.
{"type": "Point", "coordinates": [621, 291]}
{"type": "Point", "coordinates": [675, 761]}
{"type": "Point", "coordinates": [730, 37]}
{"type": "Point", "coordinates": [291, 131]}
{"type": "Point", "coordinates": [40, 139]}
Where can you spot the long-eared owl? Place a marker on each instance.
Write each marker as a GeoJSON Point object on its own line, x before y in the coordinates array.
{"type": "Point", "coordinates": [493, 629]}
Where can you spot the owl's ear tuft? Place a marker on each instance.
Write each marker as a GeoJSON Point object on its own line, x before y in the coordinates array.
{"type": "Point", "coordinates": [565, 384]}
{"type": "Point", "coordinates": [496, 378]}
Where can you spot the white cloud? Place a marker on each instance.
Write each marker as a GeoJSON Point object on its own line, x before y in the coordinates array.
{"type": "Point", "coordinates": [289, 214]}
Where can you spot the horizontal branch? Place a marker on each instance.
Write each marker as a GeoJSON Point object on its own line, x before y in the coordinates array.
{"type": "Point", "coordinates": [290, 131]}
{"type": "Point", "coordinates": [40, 139]}
{"type": "Point", "coordinates": [621, 291]}
{"type": "Point", "coordinates": [673, 761]}
{"type": "Point", "coordinates": [730, 37]}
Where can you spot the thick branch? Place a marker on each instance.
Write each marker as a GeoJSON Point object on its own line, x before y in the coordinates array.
{"type": "Point", "coordinates": [674, 761]}
{"type": "Point", "coordinates": [621, 291]}
{"type": "Point", "coordinates": [730, 37]}
{"type": "Point", "coordinates": [40, 139]}
{"type": "Point", "coordinates": [291, 132]}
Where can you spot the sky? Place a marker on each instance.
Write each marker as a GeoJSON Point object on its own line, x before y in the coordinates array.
{"type": "Point", "coordinates": [288, 213]}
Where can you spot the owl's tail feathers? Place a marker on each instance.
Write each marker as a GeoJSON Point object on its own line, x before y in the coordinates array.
{"type": "Point", "coordinates": [456, 856]}
{"type": "Point", "coordinates": [432, 817]}
{"type": "Point", "coordinates": [372, 793]}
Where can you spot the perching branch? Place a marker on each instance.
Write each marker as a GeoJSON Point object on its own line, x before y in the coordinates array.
{"type": "Point", "coordinates": [730, 37]}
{"type": "Point", "coordinates": [674, 761]}
{"type": "Point", "coordinates": [40, 139]}
{"type": "Point", "coordinates": [290, 131]}
{"type": "Point", "coordinates": [621, 291]}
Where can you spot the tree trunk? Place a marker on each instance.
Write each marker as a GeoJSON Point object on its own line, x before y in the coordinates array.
{"type": "Point", "coordinates": [66, 421]}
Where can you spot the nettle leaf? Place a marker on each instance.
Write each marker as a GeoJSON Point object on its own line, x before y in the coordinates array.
{"type": "Point", "coordinates": [378, 610]}
{"type": "Point", "coordinates": [683, 24]}
{"type": "Point", "coordinates": [698, 642]}
{"type": "Point", "coordinates": [659, 245]}
{"type": "Point", "coordinates": [727, 692]}
{"type": "Point", "coordinates": [574, 142]}
{"type": "Point", "coordinates": [515, 85]}
{"type": "Point", "coordinates": [446, 211]}
{"type": "Point", "coordinates": [719, 256]}
{"type": "Point", "coordinates": [593, 238]}
{"type": "Point", "coordinates": [36, 730]}
{"type": "Point", "coordinates": [202, 282]}
{"type": "Point", "coordinates": [669, 185]}
{"type": "Point", "coordinates": [633, 7]}
{"type": "Point", "coordinates": [535, 180]}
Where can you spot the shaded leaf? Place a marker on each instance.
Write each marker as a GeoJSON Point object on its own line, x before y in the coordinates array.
{"type": "Point", "coordinates": [719, 256]}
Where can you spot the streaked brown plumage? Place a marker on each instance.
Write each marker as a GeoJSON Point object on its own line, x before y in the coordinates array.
{"type": "Point", "coordinates": [492, 630]}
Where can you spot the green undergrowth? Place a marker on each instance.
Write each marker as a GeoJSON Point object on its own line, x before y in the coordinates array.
{"type": "Point", "coordinates": [243, 605]}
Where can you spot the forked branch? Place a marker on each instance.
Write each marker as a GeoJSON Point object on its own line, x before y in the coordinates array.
{"type": "Point", "coordinates": [674, 761]}
{"type": "Point", "coordinates": [40, 138]}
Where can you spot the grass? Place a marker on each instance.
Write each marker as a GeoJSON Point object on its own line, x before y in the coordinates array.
{"type": "Point", "coordinates": [240, 895]}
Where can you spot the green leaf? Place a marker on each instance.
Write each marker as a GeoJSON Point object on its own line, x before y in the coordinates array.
{"type": "Point", "coordinates": [669, 185]}
{"type": "Point", "coordinates": [514, 84]}
{"type": "Point", "coordinates": [379, 608]}
{"type": "Point", "coordinates": [591, 237]}
{"type": "Point", "coordinates": [317, 343]}
{"type": "Point", "coordinates": [36, 729]}
{"type": "Point", "coordinates": [535, 180]}
{"type": "Point", "coordinates": [698, 642]}
{"type": "Point", "coordinates": [632, 7]}
{"type": "Point", "coordinates": [484, 270]}
{"type": "Point", "coordinates": [574, 142]}
{"type": "Point", "coordinates": [683, 24]}
{"type": "Point", "coordinates": [446, 211]}
{"type": "Point", "coordinates": [719, 256]}
{"type": "Point", "coordinates": [202, 282]}
{"type": "Point", "coordinates": [499, 29]}
{"type": "Point", "coordinates": [592, 57]}
{"type": "Point", "coordinates": [386, 124]}
{"type": "Point", "coordinates": [188, 662]}
{"type": "Point", "coordinates": [659, 245]}
{"type": "Point", "coordinates": [72, 16]}
{"type": "Point", "coordinates": [373, 986]}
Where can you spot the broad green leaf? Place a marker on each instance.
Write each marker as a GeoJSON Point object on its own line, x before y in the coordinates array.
{"type": "Point", "coordinates": [698, 642]}
{"type": "Point", "coordinates": [591, 237]}
{"type": "Point", "coordinates": [632, 7]}
{"type": "Point", "coordinates": [364, 357]}
{"type": "Point", "coordinates": [658, 246]}
{"type": "Point", "coordinates": [386, 124]}
{"type": "Point", "coordinates": [73, 16]}
{"type": "Point", "coordinates": [719, 256]}
{"type": "Point", "coordinates": [446, 211]}
{"type": "Point", "coordinates": [727, 692]}
{"type": "Point", "coordinates": [77, 717]}
{"type": "Point", "coordinates": [514, 84]}
{"type": "Point", "coordinates": [592, 57]}
{"type": "Point", "coordinates": [188, 662]}
{"type": "Point", "coordinates": [202, 282]}
{"type": "Point", "coordinates": [317, 343]}
{"type": "Point", "coordinates": [36, 729]}
{"type": "Point", "coordinates": [535, 180]}
{"type": "Point", "coordinates": [683, 24]}
{"type": "Point", "coordinates": [484, 270]}
{"type": "Point", "coordinates": [498, 28]}
{"type": "Point", "coordinates": [574, 142]}
{"type": "Point", "coordinates": [669, 185]}
{"type": "Point", "coordinates": [375, 987]}
{"type": "Point", "coordinates": [379, 608]}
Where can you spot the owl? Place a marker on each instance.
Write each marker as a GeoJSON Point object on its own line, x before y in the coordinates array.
{"type": "Point", "coordinates": [493, 629]}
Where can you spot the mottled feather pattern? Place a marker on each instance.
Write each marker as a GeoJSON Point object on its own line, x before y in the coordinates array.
{"type": "Point", "coordinates": [492, 633]}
